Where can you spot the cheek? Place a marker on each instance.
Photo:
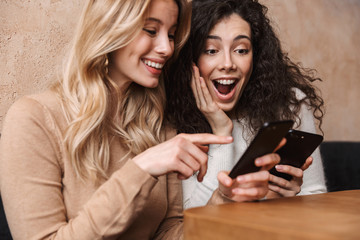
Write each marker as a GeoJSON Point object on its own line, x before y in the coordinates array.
{"type": "Point", "coordinates": [205, 68]}
{"type": "Point", "coordinates": [172, 46]}
{"type": "Point", "coordinates": [141, 45]}
{"type": "Point", "coordinates": [247, 67]}
{"type": "Point", "coordinates": [117, 57]}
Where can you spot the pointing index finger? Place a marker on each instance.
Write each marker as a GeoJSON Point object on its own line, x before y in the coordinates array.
{"type": "Point", "coordinates": [207, 138]}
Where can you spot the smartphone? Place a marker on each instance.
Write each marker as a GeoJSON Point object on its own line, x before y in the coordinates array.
{"type": "Point", "coordinates": [266, 140]}
{"type": "Point", "coordinates": [298, 147]}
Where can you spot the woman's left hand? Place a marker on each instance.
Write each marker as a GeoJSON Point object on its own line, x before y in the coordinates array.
{"type": "Point", "coordinates": [220, 123]}
{"type": "Point", "coordinates": [280, 187]}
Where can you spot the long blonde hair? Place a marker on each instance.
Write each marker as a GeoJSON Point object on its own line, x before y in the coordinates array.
{"type": "Point", "coordinates": [91, 100]}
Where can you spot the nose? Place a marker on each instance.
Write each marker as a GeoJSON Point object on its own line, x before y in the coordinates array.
{"type": "Point", "coordinates": [227, 63]}
{"type": "Point", "coordinates": [164, 46]}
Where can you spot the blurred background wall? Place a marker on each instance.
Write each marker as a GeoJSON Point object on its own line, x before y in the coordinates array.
{"type": "Point", "coordinates": [321, 34]}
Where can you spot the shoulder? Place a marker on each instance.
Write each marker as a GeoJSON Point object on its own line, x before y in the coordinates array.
{"type": "Point", "coordinates": [35, 104]}
{"type": "Point", "coordinates": [305, 114]}
{"type": "Point", "coordinates": [300, 95]}
{"type": "Point", "coordinates": [46, 98]}
{"type": "Point", "coordinates": [31, 119]}
{"type": "Point", "coordinates": [43, 110]}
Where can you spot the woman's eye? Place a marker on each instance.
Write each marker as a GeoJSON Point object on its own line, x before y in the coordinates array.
{"type": "Point", "coordinates": [150, 32]}
{"type": "Point", "coordinates": [210, 51]}
{"type": "Point", "coordinates": [242, 51]}
{"type": "Point", "coordinates": [171, 37]}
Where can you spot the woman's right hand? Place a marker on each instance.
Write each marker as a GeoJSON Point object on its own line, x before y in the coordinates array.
{"type": "Point", "coordinates": [251, 186]}
{"type": "Point", "coordinates": [220, 123]}
{"type": "Point", "coordinates": [184, 154]}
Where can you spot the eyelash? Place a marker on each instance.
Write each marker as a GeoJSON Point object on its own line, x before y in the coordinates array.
{"type": "Point", "coordinates": [152, 33]}
{"type": "Point", "coordinates": [210, 51]}
{"type": "Point", "coordinates": [171, 37]}
{"type": "Point", "coordinates": [240, 51]}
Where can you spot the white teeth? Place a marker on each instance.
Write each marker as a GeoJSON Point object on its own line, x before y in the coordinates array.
{"type": "Point", "coordinates": [225, 82]}
{"type": "Point", "coordinates": [153, 64]}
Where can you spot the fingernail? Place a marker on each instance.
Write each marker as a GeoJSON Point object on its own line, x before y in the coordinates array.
{"type": "Point", "coordinates": [258, 161]}
{"type": "Point", "coordinates": [228, 182]}
{"type": "Point", "coordinates": [279, 167]}
{"type": "Point", "coordinates": [240, 178]}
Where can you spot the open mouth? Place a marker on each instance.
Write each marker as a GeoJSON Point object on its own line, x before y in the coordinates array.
{"type": "Point", "coordinates": [224, 86]}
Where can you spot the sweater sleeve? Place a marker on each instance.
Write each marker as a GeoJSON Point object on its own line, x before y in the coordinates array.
{"type": "Point", "coordinates": [198, 193]}
{"type": "Point", "coordinates": [172, 225]}
{"type": "Point", "coordinates": [31, 184]}
{"type": "Point", "coordinates": [314, 178]}
{"type": "Point", "coordinates": [221, 157]}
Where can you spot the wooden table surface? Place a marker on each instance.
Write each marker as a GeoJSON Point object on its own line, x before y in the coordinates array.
{"type": "Point", "coordinates": [334, 215]}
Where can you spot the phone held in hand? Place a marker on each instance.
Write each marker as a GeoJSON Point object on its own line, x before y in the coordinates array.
{"type": "Point", "coordinates": [298, 147]}
{"type": "Point", "coordinates": [266, 140]}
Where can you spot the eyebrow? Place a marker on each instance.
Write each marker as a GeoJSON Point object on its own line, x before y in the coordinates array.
{"type": "Point", "coordinates": [154, 20]}
{"type": "Point", "coordinates": [238, 37]}
{"type": "Point", "coordinates": [158, 21]}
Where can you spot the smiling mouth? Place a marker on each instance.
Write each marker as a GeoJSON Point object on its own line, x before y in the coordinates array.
{"type": "Point", "coordinates": [224, 86]}
{"type": "Point", "coordinates": [153, 64]}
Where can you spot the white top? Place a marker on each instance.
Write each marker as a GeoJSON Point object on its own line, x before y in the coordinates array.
{"type": "Point", "coordinates": [224, 157]}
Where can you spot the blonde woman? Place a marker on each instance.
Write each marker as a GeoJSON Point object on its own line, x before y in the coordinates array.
{"type": "Point", "coordinates": [88, 159]}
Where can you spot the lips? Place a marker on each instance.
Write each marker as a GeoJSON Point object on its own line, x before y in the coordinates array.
{"type": "Point", "coordinates": [224, 86]}
{"type": "Point", "coordinates": [153, 64]}
{"type": "Point", "coordinates": [153, 67]}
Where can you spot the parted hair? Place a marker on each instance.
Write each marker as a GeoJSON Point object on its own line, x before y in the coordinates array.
{"type": "Point", "coordinates": [268, 96]}
{"type": "Point", "coordinates": [95, 108]}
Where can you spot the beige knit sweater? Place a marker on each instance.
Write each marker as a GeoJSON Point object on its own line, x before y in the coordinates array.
{"type": "Point", "coordinates": [44, 199]}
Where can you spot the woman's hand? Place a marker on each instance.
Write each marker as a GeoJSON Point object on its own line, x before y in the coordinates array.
{"type": "Point", "coordinates": [184, 154]}
{"type": "Point", "coordinates": [251, 186]}
{"type": "Point", "coordinates": [220, 123]}
{"type": "Point", "coordinates": [280, 187]}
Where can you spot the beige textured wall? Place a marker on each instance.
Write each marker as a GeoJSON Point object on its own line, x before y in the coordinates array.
{"type": "Point", "coordinates": [325, 35]}
{"type": "Point", "coordinates": [34, 35]}
{"type": "Point", "coordinates": [322, 34]}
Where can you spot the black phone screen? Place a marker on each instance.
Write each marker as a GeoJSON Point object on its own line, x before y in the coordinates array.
{"type": "Point", "coordinates": [298, 147]}
{"type": "Point", "coordinates": [265, 141]}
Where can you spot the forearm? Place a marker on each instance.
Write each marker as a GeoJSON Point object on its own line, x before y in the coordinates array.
{"type": "Point", "coordinates": [197, 193]}
{"type": "Point", "coordinates": [172, 226]}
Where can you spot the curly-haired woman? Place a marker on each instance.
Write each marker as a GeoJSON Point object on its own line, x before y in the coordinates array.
{"type": "Point", "coordinates": [240, 79]}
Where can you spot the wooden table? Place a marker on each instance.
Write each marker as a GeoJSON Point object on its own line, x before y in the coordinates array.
{"type": "Point", "coordinates": [334, 215]}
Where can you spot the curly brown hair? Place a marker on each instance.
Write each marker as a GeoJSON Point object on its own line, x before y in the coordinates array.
{"type": "Point", "coordinates": [269, 94]}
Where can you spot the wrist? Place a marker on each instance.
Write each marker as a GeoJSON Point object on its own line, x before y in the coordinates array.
{"type": "Point", "coordinates": [224, 129]}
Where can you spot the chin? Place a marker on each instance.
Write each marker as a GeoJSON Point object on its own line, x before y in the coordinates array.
{"type": "Point", "coordinates": [149, 83]}
{"type": "Point", "coordinates": [226, 107]}
{"type": "Point", "coordinates": [153, 85]}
